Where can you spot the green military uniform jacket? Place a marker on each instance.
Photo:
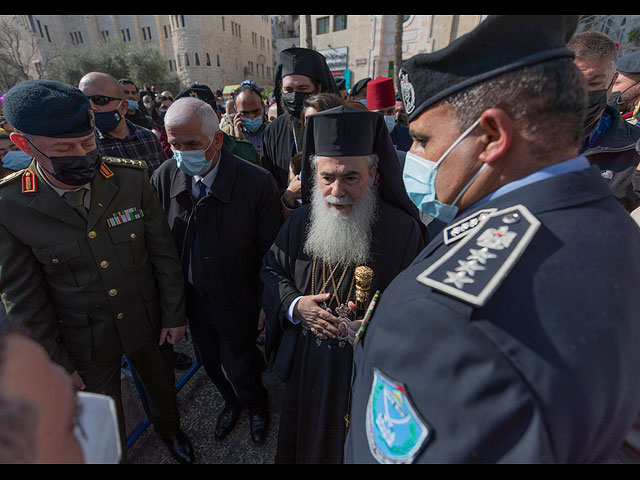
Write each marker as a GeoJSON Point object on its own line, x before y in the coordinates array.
{"type": "Point", "coordinates": [241, 148]}
{"type": "Point", "coordinates": [89, 290]}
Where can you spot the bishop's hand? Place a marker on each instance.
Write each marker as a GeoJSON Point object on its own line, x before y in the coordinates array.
{"type": "Point", "coordinates": [321, 322]}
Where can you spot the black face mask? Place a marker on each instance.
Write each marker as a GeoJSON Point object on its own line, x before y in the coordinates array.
{"type": "Point", "coordinates": [597, 101]}
{"type": "Point", "coordinates": [75, 170]}
{"type": "Point", "coordinates": [294, 102]}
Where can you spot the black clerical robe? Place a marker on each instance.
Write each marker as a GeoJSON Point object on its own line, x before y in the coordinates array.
{"type": "Point", "coordinates": [318, 375]}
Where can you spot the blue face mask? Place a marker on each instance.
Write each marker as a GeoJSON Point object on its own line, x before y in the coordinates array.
{"type": "Point", "coordinates": [419, 176]}
{"type": "Point", "coordinates": [252, 125]}
{"type": "Point", "coordinates": [193, 162]}
{"type": "Point", "coordinates": [16, 160]}
{"type": "Point", "coordinates": [133, 104]}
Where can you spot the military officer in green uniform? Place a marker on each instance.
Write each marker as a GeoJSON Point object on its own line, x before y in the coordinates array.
{"type": "Point", "coordinates": [88, 263]}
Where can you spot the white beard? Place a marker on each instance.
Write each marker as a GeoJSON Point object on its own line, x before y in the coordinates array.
{"type": "Point", "coordinates": [335, 235]}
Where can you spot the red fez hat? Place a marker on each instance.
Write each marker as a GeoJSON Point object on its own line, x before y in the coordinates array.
{"type": "Point", "coordinates": [380, 93]}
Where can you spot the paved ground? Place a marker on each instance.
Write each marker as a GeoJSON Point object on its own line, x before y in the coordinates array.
{"type": "Point", "coordinates": [200, 404]}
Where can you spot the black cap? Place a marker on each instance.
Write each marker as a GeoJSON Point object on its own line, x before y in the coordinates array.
{"type": "Point", "coordinates": [203, 92]}
{"type": "Point", "coordinates": [629, 63]}
{"type": "Point", "coordinates": [501, 43]}
{"type": "Point", "coordinates": [49, 108]}
{"type": "Point", "coordinates": [359, 86]}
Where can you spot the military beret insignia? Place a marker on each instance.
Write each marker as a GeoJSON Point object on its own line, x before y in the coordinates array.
{"type": "Point", "coordinates": [408, 93]}
{"type": "Point", "coordinates": [474, 269]}
{"type": "Point", "coordinates": [396, 433]}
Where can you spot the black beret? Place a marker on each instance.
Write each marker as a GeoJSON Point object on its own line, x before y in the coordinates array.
{"type": "Point", "coordinates": [359, 86]}
{"type": "Point", "coordinates": [49, 108]}
{"type": "Point", "coordinates": [501, 43]}
{"type": "Point", "coordinates": [203, 92]}
{"type": "Point", "coordinates": [629, 63]}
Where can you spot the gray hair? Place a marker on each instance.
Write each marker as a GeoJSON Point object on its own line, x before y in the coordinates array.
{"type": "Point", "coordinates": [546, 102]}
{"type": "Point", "coordinates": [183, 110]}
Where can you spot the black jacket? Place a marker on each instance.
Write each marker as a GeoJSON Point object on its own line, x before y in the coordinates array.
{"type": "Point", "coordinates": [617, 159]}
{"type": "Point", "coordinates": [236, 224]}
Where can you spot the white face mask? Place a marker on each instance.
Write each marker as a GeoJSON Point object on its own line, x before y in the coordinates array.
{"type": "Point", "coordinates": [97, 428]}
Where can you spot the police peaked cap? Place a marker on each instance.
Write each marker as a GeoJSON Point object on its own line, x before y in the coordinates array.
{"type": "Point", "coordinates": [629, 63]}
{"type": "Point", "coordinates": [49, 108]}
{"type": "Point", "coordinates": [501, 43]}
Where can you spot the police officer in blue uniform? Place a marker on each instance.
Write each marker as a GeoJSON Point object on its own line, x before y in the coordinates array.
{"type": "Point", "coordinates": [513, 335]}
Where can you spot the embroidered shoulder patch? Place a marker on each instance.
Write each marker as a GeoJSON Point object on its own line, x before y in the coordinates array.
{"type": "Point", "coordinates": [395, 431]}
{"type": "Point", "coordinates": [475, 267]}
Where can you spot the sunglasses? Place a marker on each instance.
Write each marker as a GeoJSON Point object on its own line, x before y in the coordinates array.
{"type": "Point", "coordinates": [102, 99]}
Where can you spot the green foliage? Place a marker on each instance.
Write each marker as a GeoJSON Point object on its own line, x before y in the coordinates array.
{"type": "Point", "coordinates": [116, 58]}
{"type": "Point", "coordinates": [634, 35]}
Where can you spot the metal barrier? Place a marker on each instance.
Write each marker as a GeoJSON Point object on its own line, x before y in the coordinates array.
{"type": "Point", "coordinates": [129, 370]}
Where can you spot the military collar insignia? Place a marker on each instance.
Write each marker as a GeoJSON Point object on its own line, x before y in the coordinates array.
{"type": "Point", "coordinates": [395, 431]}
{"type": "Point", "coordinates": [105, 171]}
{"type": "Point", "coordinates": [474, 268]}
{"type": "Point", "coordinates": [464, 227]}
{"type": "Point", "coordinates": [29, 181]}
{"type": "Point", "coordinates": [92, 118]}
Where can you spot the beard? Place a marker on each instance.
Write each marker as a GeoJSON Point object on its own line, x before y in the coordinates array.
{"type": "Point", "coordinates": [335, 235]}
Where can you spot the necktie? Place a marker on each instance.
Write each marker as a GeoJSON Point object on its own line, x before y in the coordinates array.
{"type": "Point", "coordinates": [197, 274]}
{"type": "Point", "coordinates": [76, 199]}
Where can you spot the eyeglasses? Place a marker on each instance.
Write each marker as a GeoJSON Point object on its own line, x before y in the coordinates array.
{"type": "Point", "coordinates": [102, 99]}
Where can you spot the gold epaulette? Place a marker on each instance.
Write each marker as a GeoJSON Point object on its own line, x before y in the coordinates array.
{"type": "Point", "coordinates": [125, 162]}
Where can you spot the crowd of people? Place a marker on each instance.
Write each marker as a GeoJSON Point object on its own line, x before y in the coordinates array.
{"type": "Point", "coordinates": [442, 272]}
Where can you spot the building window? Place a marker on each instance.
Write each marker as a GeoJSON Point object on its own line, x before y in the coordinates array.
{"type": "Point", "coordinates": [126, 36]}
{"type": "Point", "coordinates": [46, 30]}
{"type": "Point", "coordinates": [254, 39]}
{"type": "Point", "coordinates": [208, 59]}
{"type": "Point", "coordinates": [217, 59]}
{"type": "Point", "coordinates": [40, 28]}
{"type": "Point", "coordinates": [33, 25]}
{"type": "Point", "coordinates": [171, 65]}
{"type": "Point", "coordinates": [146, 33]}
{"type": "Point", "coordinates": [322, 25]}
{"type": "Point", "coordinates": [223, 24]}
{"type": "Point", "coordinates": [339, 22]}
{"type": "Point", "coordinates": [197, 59]}
{"type": "Point", "coordinates": [105, 35]}
{"type": "Point", "coordinates": [167, 30]}
{"type": "Point", "coordinates": [76, 38]}
{"type": "Point", "coordinates": [186, 60]}
{"type": "Point", "coordinates": [179, 61]}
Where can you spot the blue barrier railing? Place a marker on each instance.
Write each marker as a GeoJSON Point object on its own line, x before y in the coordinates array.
{"type": "Point", "coordinates": [142, 426]}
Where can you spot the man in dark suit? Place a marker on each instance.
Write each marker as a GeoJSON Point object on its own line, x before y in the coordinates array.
{"type": "Point", "coordinates": [224, 213]}
{"type": "Point", "coordinates": [513, 336]}
{"type": "Point", "coordinates": [88, 264]}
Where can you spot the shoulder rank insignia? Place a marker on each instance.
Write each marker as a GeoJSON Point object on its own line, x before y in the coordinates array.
{"type": "Point", "coordinates": [464, 227]}
{"type": "Point", "coordinates": [395, 431]}
{"type": "Point", "coordinates": [105, 171]}
{"type": "Point", "coordinates": [10, 177]}
{"type": "Point", "coordinates": [473, 269]}
{"type": "Point", "coordinates": [29, 181]}
{"type": "Point", "coordinates": [124, 162]}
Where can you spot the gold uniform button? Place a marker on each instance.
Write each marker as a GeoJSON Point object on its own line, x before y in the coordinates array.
{"type": "Point", "coordinates": [92, 234]}
{"type": "Point", "coordinates": [120, 316]}
{"type": "Point", "coordinates": [55, 260]}
{"type": "Point", "coordinates": [113, 292]}
{"type": "Point", "coordinates": [133, 235]}
{"type": "Point", "coordinates": [104, 264]}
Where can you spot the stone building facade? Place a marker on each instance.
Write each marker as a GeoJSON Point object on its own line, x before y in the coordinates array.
{"type": "Point", "coordinates": [216, 50]}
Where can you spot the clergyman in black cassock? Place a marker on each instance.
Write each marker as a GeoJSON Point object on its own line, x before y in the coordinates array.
{"type": "Point", "coordinates": [318, 368]}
